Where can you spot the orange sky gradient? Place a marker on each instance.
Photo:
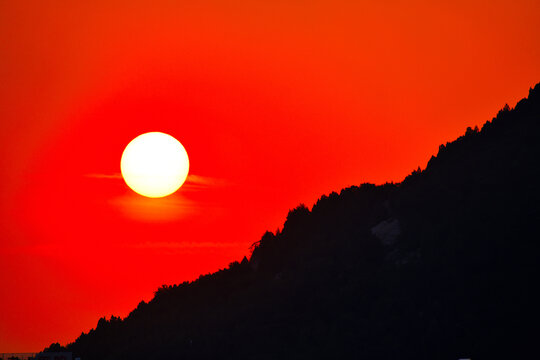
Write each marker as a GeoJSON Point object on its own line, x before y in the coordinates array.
{"type": "Point", "coordinates": [276, 102]}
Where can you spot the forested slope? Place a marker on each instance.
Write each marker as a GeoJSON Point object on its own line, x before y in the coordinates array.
{"type": "Point", "coordinates": [441, 266]}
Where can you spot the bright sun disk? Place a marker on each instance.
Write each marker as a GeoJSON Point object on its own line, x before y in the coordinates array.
{"type": "Point", "coordinates": [154, 164]}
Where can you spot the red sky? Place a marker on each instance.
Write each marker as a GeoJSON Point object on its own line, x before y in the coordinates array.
{"type": "Point", "coordinates": [276, 102]}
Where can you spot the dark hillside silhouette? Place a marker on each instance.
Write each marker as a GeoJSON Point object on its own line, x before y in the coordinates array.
{"type": "Point", "coordinates": [441, 266]}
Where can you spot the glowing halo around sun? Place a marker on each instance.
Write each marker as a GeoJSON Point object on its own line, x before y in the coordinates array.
{"type": "Point", "coordinates": [154, 164]}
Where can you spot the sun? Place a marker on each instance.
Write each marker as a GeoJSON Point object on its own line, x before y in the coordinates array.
{"type": "Point", "coordinates": [154, 164]}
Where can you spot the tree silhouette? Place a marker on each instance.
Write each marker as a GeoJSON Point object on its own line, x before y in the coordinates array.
{"type": "Point", "coordinates": [457, 282]}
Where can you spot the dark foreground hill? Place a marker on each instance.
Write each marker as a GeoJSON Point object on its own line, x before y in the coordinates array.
{"type": "Point", "coordinates": [444, 265]}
